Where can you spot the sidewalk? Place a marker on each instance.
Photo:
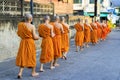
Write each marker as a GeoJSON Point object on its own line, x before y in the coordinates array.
{"type": "Point", "coordinates": [100, 62]}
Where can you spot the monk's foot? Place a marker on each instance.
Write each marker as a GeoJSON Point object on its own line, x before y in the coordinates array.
{"type": "Point", "coordinates": [35, 74]}
{"type": "Point", "coordinates": [93, 44]}
{"type": "Point", "coordinates": [81, 49]}
{"type": "Point", "coordinates": [64, 57]}
{"type": "Point", "coordinates": [19, 77]}
{"type": "Point", "coordinates": [56, 65]}
{"type": "Point", "coordinates": [42, 70]}
{"type": "Point", "coordinates": [76, 51]}
{"type": "Point", "coordinates": [87, 46]}
{"type": "Point", "coordinates": [52, 67]}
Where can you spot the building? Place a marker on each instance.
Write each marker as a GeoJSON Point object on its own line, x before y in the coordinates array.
{"type": "Point", "coordinates": [86, 7]}
{"type": "Point", "coordinates": [40, 7]}
{"type": "Point", "coordinates": [61, 7]}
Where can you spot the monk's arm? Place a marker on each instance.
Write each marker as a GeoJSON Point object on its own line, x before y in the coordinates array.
{"type": "Point", "coordinates": [91, 28]}
{"type": "Point", "coordinates": [34, 34]}
{"type": "Point", "coordinates": [52, 33]}
{"type": "Point", "coordinates": [61, 27]}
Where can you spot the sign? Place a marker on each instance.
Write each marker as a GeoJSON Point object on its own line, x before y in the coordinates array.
{"type": "Point", "coordinates": [77, 6]}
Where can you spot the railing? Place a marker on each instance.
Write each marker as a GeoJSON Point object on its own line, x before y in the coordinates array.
{"type": "Point", "coordinates": [9, 7]}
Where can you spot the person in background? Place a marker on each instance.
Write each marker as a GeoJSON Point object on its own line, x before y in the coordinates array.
{"type": "Point", "coordinates": [79, 36]}
{"type": "Point", "coordinates": [87, 33]}
{"type": "Point", "coordinates": [94, 38]}
{"type": "Point", "coordinates": [99, 30]}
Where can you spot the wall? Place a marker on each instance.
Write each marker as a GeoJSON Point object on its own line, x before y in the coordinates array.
{"type": "Point", "coordinates": [8, 40]}
{"type": "Point", "coordinates": [60, 7]}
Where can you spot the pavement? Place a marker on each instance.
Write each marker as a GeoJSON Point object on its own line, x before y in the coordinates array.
{"type": "Point", "coordinates": [99, 62]}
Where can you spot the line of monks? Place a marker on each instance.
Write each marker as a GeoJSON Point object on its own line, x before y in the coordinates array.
{"type": "Point", "coordinates": [55, 41]}
{"type": "Point", "coordinates": [90, 32]}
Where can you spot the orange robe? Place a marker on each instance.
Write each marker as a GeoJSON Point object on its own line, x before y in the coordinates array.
{"type": "Point", "coordinates": [65, 39]}
{"type": "Point", "coordinates": [104, 32]}
{"type": "Point", "coordinates": [108, 29]}
{"type": "Point", "coordinates": [94, 38]}
{"type": "Point", "coordinates": [26, 56]}
{"type": "Point", "coordinates": [47, 52]}
{"type": "Point", "coordinates": [87, 33]}
{"type": "Point", "coordinates": [79, 37]}
{"type": "Point", "coordinates": [99, 30]}
{"type": "Point", "coordinates": [57, 42]}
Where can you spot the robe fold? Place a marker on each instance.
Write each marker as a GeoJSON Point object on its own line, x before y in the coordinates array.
{"type": "Point", "coordinates": [104, 32]}
{"type": "Point", "coordinates": [26, 56]}
{"type": "Point", "coordinates": [99, 30]}
{"type": "Point", "coordinates": [87, 33]}
{"type": "Point", "coordinates": [47, 52]}
{"type": "Point", "coordinates": [79, 36]}
{"type": "Point", "coordinates": [57, 42]}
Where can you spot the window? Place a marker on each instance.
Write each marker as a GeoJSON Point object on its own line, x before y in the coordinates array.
{"type": "Point", "coordinates": [92, 1]}
{"type": "Point", "coordinates": [101, 1]}
{"type": "Point", "coordinates": [77, 1]}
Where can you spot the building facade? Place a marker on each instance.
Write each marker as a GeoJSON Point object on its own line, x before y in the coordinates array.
{"type": "Point", "coordinates": [61, 7]}
{"type": "Point", "coordinates": [86, 7]}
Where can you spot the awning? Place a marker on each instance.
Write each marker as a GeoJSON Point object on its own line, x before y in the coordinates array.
{"type": "Point", "coordinates": [92, 14]}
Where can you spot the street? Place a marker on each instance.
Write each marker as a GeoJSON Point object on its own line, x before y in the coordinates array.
{"type": "Point", "coordinates": [99, 62]}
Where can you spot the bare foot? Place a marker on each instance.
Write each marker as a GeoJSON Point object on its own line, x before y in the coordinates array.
{"type": "Point", "coordinates": [19, 77]}
{"type": "Point", "coordinates": [52, 67]}
{"type": "Point", "coordinates": [56, 65]}
{"type": "Point", "coordinates": [81, 49]}
{"type": "Point", "coordinates": [35, 74]}
{"type": "Point", "coordinates": [42, 70]}
{"type": "Point", "coordinates": [87, 46]}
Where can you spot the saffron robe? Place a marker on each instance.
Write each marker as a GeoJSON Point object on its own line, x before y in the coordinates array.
{"type": "Point", "coordinates": [87, 33]}
{"type": "Point", "coordinates": [94, 38]}
{"type": "Point", "coordinates": [57, 42]}
{"type": "Point", "coordinates": [47, 52]}
{"type": "Point", "coordinates": [65, 39]}
{"type": "Point", "coordinates": [79, 36]}
{"type": "Point", "coordinates": [26, 56]}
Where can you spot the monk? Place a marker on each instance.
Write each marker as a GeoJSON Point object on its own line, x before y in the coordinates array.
{"type": "Point", "coordinates": [99, 30]}
{"type": "Point", "coordinates": [87, 33]}
{"type": "Point", "coordinates": [94, 38]}
{"type": "Point", "coordinates": [108, 27]}
{"type": "Point", "coordinates": [65, 38]}
{"type": "Point", "coordinates": [58, 29]}
{"type": "Point", "coordinates": [79, 36]}
{"type": "Point", "coordinates": [45, 31]}
{"type": "Point", "coordinates": [26, 56]}
{"type": "Point", "coordinates": [104, 30]}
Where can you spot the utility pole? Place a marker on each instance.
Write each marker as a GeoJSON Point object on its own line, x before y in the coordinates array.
{"type": "Point", "coordinates": [22, 7]}
{"type": "Point", "coordinates": [95, 9]}
{"type": "Point", "coordinates": [31, 8]}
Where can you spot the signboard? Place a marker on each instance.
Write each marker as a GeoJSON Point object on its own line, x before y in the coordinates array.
{"type": "Point", "coordinates": [77, 6]}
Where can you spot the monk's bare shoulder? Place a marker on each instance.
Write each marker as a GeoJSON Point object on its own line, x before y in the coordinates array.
{"type": "Point", "coordinates": [66, 25]}
{"type": "Point", "coordinates": [50, 26]}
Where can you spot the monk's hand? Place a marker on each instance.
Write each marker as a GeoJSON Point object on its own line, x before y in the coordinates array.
{"type": "Point", "coordinates": [53, 34]}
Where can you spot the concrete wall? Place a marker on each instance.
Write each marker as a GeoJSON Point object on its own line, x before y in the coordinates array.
{"type": "Point", "coordinates": [8, 40]}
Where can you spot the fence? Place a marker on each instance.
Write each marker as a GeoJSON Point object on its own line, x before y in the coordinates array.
{"type": "Point", "coordinates": [12, 8]}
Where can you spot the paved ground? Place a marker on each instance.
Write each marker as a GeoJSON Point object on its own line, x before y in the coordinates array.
{"type": "Point", "coordinates": [100, 62]}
